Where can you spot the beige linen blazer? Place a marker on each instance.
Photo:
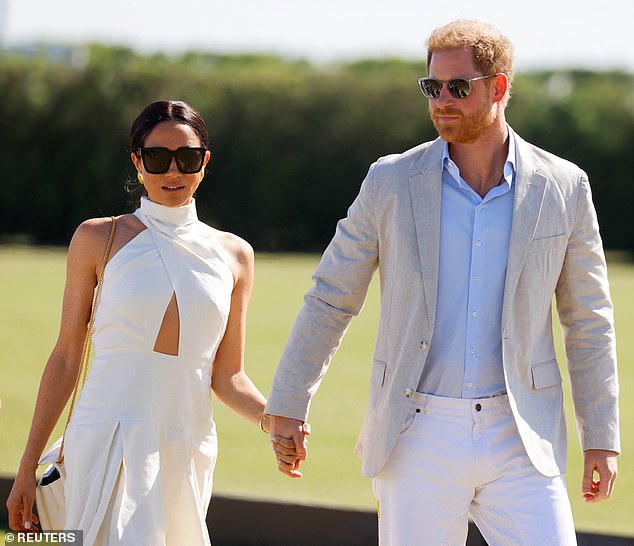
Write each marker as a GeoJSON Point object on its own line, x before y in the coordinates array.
{"type": "Point", "coordinates": [555, 248]}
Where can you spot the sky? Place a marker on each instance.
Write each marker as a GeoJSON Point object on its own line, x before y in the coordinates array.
{"type": "Point", "coordinates": [546, 33]}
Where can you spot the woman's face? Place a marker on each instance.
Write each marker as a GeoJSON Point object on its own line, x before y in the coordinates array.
{"type": "Point", "coordinates": [172, 188]}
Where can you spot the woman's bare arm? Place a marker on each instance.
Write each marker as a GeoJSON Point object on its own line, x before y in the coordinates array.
{"type": "Point", "coordinates": [58, 379]}
{"type": "Point", "coordinates": [229, 380]}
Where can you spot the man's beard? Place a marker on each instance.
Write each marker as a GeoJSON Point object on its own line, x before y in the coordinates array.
{"type": "Point", "coordinates": [466, 129]}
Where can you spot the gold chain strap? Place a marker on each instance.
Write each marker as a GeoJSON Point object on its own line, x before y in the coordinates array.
{"type": "Point", "coordinates": [82, 373]}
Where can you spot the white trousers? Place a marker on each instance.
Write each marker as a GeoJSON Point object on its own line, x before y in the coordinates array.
{"type": "Point", "coordinates": [460, 457]}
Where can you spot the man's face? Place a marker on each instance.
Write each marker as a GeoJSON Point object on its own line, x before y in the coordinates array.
{"type": "Point", "coordinates": [464, 120]}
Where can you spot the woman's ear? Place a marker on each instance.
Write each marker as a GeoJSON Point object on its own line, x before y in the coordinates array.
{"type": "Point", "coordinates": [136, 160]}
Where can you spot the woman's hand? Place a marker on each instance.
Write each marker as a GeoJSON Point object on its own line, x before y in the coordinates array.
{"type": "Point", "coordinates": [20, 502]}
{"type": "Point", "coordinates": [288, 439]}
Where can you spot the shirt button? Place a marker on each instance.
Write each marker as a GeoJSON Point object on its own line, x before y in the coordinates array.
{"type": "Point", "coordinates": [476, 278]}
{"type": "Point", "coordinates": [473, 350]}
{"type": "Point", "coordinates": [408, 393]}
{"type": "Point", "coordinates": [478, 243]}
{"type": "Point", "coordinates": [478, 407]}
{"type": "Point", "coordinates": [424, 345]}
{"type": "Point", "coordinates": [469, 385]}
{"type": "Point", "coordinates": [474, 314]}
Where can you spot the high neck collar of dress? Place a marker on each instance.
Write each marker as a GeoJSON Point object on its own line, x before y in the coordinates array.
{"type": "Point", "coordinates": [177, 216]}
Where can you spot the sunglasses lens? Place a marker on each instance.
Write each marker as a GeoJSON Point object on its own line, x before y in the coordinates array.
{"type": "Point", "coordinates": [190, 160]}
{"type": "Point", "coordinates": [156, 160]}
{"type": "Point", "coordinates": [430, 88]}
{"type": "Point", "coordinates": [459, 88]}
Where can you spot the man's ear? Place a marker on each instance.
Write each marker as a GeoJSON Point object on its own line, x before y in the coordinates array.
{"type": "Point", "coordinates": [501, 86]}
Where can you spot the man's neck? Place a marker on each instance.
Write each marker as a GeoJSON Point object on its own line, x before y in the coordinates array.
{"type": "Point", "coordinates": [481, 163]}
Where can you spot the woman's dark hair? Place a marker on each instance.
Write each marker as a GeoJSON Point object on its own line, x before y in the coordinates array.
{"type": "Point", "coordinates": [152, 115]}
{"type": "Point", "coordinates": [166, 110]}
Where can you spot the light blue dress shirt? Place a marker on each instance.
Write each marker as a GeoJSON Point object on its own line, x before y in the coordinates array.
{"type": "Point", "coordinates": [465, 354]}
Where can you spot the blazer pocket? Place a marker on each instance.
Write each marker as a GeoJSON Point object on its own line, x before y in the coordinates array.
{"type": "Point", "coordinates": [546, 243]}
{"type": "Point", "coordinates": [378, 373]}
{"type": "Point", "coordinates": [546, 374]}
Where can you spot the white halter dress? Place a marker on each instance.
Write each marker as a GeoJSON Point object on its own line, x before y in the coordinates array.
{"type": "Point", "coordinates": [141, 446]}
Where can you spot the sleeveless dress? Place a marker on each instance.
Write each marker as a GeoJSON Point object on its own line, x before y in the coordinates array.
{"type": "Point", "coordinates": [141, 445]}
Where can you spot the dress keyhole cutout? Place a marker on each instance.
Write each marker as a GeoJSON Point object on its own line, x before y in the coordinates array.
{"type": "Point", "coordinates": [168, 336]}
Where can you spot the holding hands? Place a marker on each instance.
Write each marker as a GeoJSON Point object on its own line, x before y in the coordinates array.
{"type": "Point", "coordinates": [288, 439]}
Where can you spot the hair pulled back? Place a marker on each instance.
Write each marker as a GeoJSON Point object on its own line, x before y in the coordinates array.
{"type": "Point", "coordinates": [166, 110]}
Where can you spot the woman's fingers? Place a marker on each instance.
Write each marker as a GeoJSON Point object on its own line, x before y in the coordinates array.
{"type": "Point", "coordinates": [20, 504]}
{"type": "Point", "coordinates": [282, 445]}
{"type": "Point", "coordinates": [285, 452]}
{"type": "Point", "coordinates": [20, 516]}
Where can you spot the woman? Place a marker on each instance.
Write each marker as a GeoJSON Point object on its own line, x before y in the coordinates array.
{"type": "Point", "coordinates": [169, 327]}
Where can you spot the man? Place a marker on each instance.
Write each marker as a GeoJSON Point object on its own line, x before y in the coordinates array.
{"type": "Point", "coordinates": [472, 234]}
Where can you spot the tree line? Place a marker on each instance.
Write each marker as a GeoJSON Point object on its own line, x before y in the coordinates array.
{"type": "Point", "coordinates": [291, 141]}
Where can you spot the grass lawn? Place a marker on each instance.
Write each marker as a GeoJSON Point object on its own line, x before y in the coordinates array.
{"type": "Point", "coordinates": [31, 284]}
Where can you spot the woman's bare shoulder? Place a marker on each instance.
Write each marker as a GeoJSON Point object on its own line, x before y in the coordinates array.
{"type": "Point", "coordinates": [91, 233]}
{"type": "Point", "coordinates": [95, 233]}
{"type": "Point", "coordinates": [235, 252]}
{"type": "Point", "coordinates": [239, 249]}
{"type": "Point", "coordinates": [87, 244]}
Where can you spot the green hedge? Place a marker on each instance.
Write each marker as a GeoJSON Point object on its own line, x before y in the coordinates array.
{"type": "Point", "coordinates": [291, 141]}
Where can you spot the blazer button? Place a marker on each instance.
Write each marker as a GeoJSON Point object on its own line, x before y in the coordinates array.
{"type": "Point", "coordinates": [408, 393]}
{"type": "Point", "coordinates": [424, 345]}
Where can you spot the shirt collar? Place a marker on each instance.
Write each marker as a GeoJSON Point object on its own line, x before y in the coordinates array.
{"type": "Point", "coordinates": [510, 165]}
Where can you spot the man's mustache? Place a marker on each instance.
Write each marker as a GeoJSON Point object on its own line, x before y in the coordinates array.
{"type": "Point", "coordinates": [439, 112]}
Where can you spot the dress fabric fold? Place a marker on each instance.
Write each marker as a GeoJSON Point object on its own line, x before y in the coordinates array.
{"type": "Point", "coordinates": [141, 445]}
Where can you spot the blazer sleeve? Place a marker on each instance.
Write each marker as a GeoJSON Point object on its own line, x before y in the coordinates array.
{"type": "Point", "coordinates": [586, 316]}
{"type": "Point", "coordinates": [341, 282]}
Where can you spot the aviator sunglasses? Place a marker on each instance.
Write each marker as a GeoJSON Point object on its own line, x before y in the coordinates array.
{"type": "Point", "coordinates": [459, 88]}
{"type": "Point", "coordinates": [158, 160]}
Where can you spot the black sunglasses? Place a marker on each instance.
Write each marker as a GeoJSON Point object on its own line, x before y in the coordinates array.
{"type": "Point", "coordinates": [459, 88]}
{"type": "Point", "coordinates": [158, 160]}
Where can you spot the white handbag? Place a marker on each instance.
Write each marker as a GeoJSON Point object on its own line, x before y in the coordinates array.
{"type": "Point", "coordinates": [49, 493]}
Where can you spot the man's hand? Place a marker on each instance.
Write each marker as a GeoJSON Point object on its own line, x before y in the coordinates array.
{"type": "Point", "coordinates": [288, 438]}
{"type": "Point", "coordinates": [602, 464]}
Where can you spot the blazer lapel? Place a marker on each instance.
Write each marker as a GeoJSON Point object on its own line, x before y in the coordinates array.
{"type": "Point", "coordinates": [529, 193]}
{"type": "Point", "coordinates": [426, 192]}
{"type": "Point", "coordinates": [425, 189]}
